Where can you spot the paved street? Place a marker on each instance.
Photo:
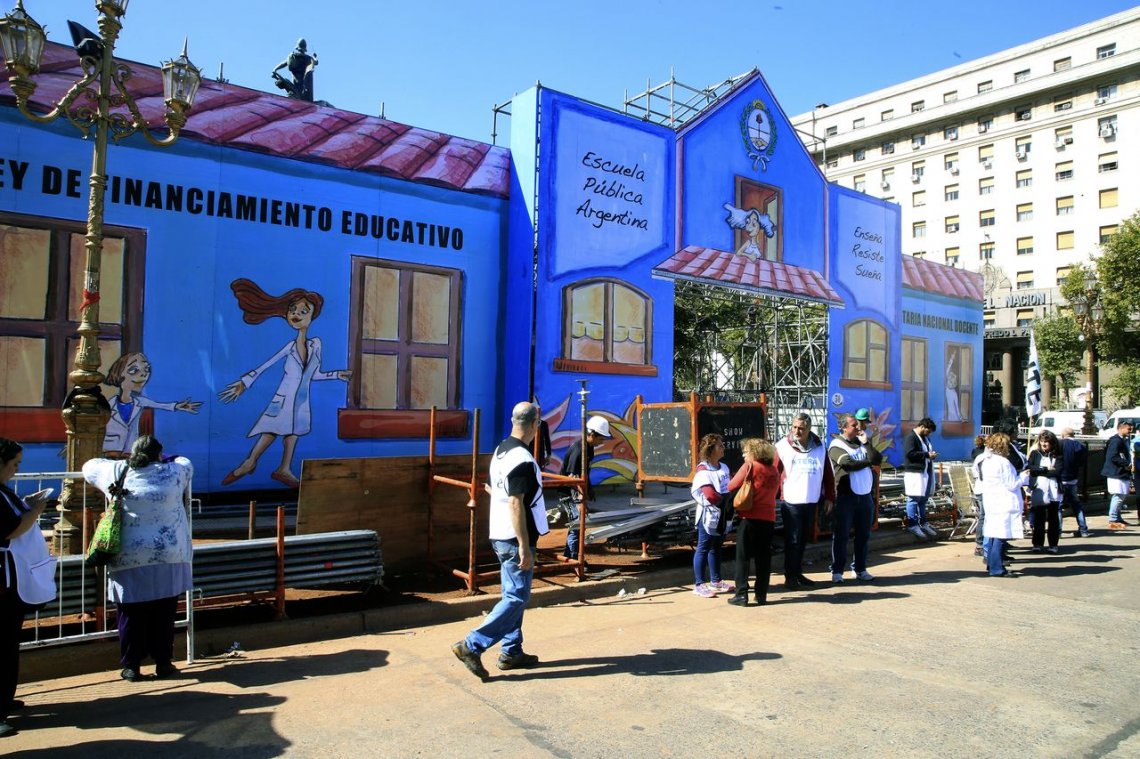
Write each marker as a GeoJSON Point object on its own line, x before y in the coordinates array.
{"type": "Point", "coordinates": [932, 659]}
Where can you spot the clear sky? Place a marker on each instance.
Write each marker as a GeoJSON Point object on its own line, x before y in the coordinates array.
{"type": "Point", "coordinates": [442, 65]}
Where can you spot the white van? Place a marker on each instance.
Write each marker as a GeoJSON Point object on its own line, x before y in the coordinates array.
{"type": "Point", "coordinates": [1108, 429]}
{"type": "Point", "coordinates": [1055, 421]}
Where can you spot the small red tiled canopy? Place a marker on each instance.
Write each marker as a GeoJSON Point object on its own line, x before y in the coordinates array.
{"type": "Point", "coordinates": [740, 272]}
{"type": "Point", "coordinates": [238, 117]}
{"type": "Point", "coordinates": [931, 277]}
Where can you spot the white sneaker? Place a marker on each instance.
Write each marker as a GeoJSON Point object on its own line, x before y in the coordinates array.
{"type": "Point", "coordinates": [917, 532]}
{"type": "Point", "coordinates": [865, 576]}
{"type": "Point", "coordinates": [837, 578]}
{"type": "Point", "coordinates": [929, 530]}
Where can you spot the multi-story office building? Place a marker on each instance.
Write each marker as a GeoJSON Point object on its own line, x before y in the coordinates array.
{"type": "Point", "coordinates": [1017, 165]}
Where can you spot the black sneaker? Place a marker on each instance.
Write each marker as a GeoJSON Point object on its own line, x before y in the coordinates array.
{"type": "Point", "coordinates": [738, 600]}
{"type": "Point", "coordinates": [792, 584]}
{"type": "Point", "coordinates": [165, 669]}
{"type": "Point", "coordinates": [6, 729]}
{"type": "Point", "coordinates": [130, 675]}
{"type": "Point", "coordinates": [518, 661]}
{"type": "Point", "coordinates": [807, 583]}
{"type": "Point", "coordinates": [470, 660]}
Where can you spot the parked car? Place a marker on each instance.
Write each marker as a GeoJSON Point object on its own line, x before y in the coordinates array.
{"type": "Point", "coordinates": [1108, 429]}
{"type": "Point", "coordinates": [1055, 421]}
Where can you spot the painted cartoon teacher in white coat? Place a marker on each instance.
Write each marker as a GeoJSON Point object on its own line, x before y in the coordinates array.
{"type": "Point", "coordinates": [288, 414]}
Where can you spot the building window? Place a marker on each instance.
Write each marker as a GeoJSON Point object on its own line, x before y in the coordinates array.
{"type": "Point", "coordinates": [1025, 246]}
{"type": "Point", "coordinates": [1021, 76]}
{"type": "Point", "coordinates": [1064, 171]}
{"type": "Point", "coordinates": [889, 147]}
{"type": "Point", "coordinates": [860, 183]}
{"type": "Point", "coordinates": [985, 86]}
{"type": "Point", "coordinates": [859, 154]}
{"type": "Point", "coordinates": [952, 256]}
{"type": "Point", "coordinates": [858, 123]}
{"type": "Point", "coordinates": [952, 224]}
{"type": "Point", "coordinates": [986, 251]}
{"type": "Point", "coordinates": [918, 199]}
{"type": "Point", "coordinates": [1062, 137]}
{"type": "Point", "coordinates": [831, 131]}
{"type": "Point", "coordinates": [1108, 198]}
{"type": "Point", "coordinates": [1024, 113]}
{"type": "Point", "coordinates": [1106, 127]}
{"type": "Point", "coordinates": [919, 254]}
{"type": "Point", "coordinates": [1025, 212]}
{"type": "Point", "coordinates": [1062, 103]}
{"type": "Point", "coordinates": [866, 353]}
{"type": "Point", "coordinates": [917, 106]}
{"type": "Point", "coordinates": [888, 176]}
{"type": "Point", "coordinates": [950, 97]}
{"type": "Point", "coordinates": [951, 192]}
{"type": "Point", "coordinates": [1106, 51]}
{"type": "Point", "coordinates": [1065, 205]}
{"type": "Point", "coordinates": [985, 185]}
{"type": "Point", "coordinates": [1024, 317]}
{"type": "Point", "coordinates": [832, 163]}
{"type": "Point", "coordinates": [1022, 146]}
{"type": "Point", "coordinates": [42, 264]}
{"type": "Point", "coordinates": [985, 124]}
{"type": "Point", "coordinates": [1064, 241]}
{"type": "Point", "coordinates": [406, 339]}
{"type": "Point", "coordinates": [950, 162]}
{"type": "Point", "coordinates": [1106, 91]}
{"type": "Point", "coordinates": [1025, 280]}
{"type": "Point", "coordinates": [959, 382]}
{"type": "Point", "coordinates": [1063, 275]}
{"type": "Point", "coordinates": [950, 133]}
{"type": "Point", "coordinates": [988, 320]}
{"type": "Point", "coordinates": [985, 153]}
{"type": "Point", "coordinates": [1107, 232]}
{"type": "Point", "coordinates": [917, 141]}
{"type": "Point", "coordinates": [1106, 163]}
{"type": "Point", "coordinates": [918, 229]}
{"type": "Point", "coordinates": [986, 218]}
{"type": "Point", "coordinates": [606, 326]}
{"type": "Point", "coordinates": [1025, 178]}
{"type": "Point", "coordinates": [887, 115]}
{"type": "Point", "coordinates": [1062, 64]}
{"type": "Point", "coordinates": [913, 379]}
{"type": "Point", "coordinates": [917, 169]}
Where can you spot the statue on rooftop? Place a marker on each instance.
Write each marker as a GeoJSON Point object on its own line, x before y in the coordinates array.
{"type": "Point", "coordinates": [300, 65]}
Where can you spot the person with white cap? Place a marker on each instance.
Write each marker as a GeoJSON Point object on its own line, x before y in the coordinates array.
{"type": "Point", "coordinates": [597, 429]}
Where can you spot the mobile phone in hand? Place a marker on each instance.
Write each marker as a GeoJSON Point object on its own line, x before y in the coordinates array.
{"type": "Point", "coordinates": [40, 495]}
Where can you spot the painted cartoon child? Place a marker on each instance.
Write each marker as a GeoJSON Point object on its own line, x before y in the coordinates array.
{"type": "Point", "coordinates": [128, 375]}
{"type": "Point", "coordinates": [288, 414]}
{"type": "Point", "coordinates": [953, 407]}
{"type": "Point", "coordinates": [753, 223]}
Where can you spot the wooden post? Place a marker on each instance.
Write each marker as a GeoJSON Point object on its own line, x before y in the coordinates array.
{"type": "Point", "coordinates": [280, 601]}
{"type": "Point", "coordinates": [472, 505]}
{"type": "Point", "coordinates": [252, 520]}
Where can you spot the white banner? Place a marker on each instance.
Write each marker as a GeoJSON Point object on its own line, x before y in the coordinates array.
{"type": "Point", "coordinates": [1032, 380]}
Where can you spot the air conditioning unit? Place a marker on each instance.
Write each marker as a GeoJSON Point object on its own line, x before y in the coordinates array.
{"type": "Point", "coordinates": [987, 164]}
{"type": "Point", "coordinates": [954, 169]}
{"type": "Point", "coordinates": [1022, 154]}
{"type": "Point", "coordinates": [916, 178]}
{"type": "Point", "coordinates": [1060, 144]}
{"type": "Point", "coordinates": [885, 185]}
{"type": "Point", "coordinates": [983, 128]}
{"type": "Point", "coordinates": [1100, 101]}
{"type": "Point", "coordinates": [1025, 116]}
{"type": "Point", "coordinates": [1108, 130]}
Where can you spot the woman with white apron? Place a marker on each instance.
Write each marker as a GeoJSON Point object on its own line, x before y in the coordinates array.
{"type": "Point", "coordinates": [27, 573]}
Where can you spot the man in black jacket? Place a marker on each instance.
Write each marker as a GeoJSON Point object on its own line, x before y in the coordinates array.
{"type": "Point", "coordinates": [918, 477]}
{"type": "Point", "coordinates": [1118, 472]}
{"type": "Point", "coordinates": [1074, 455]}
{"type": "Point", "coordinates": [852, 457]}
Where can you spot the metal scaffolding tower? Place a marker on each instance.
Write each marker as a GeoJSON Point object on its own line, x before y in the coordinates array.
{"type": "Point", "coordinates": [672, 103]}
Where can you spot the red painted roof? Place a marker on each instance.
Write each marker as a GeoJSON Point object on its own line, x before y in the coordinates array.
{"type": "Point", "coordinates": [238, 117]}
{"type": "Point", "coordinates": [695, 262]}
{"type": "Point", "coordinates": [940, 279]}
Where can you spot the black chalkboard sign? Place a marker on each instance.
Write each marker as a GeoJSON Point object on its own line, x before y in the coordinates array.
{"type": "Point", "coordinates": [733, 422]}
{"type": "Point", "coordinates": [666, 442]}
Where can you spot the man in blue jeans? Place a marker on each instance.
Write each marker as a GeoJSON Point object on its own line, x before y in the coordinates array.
{"type": "Point", "coordinates": [1074, 455]}
{"type": "Point", "coordinates": [1117, 472]}
{"type": "Point", "coordinates": [852, 457]}
{"type": "Point", "coordinates": [516, 519]}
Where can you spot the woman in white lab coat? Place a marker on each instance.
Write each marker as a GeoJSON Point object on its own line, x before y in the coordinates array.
{"type": "Point", "coordinates": [1001, 492]}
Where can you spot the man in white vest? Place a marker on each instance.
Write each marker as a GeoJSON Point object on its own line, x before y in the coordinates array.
{"type": "Point", "coordinates": [806, 479]}
{"type": "Point", "coordinates": [517, 518]}
{"type": "Point", "coordinates": [852, 456]}
{"type": "Point", "coordinates": [918, 477]}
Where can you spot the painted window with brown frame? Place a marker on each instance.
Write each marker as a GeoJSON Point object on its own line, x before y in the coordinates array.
{"type": "Point", "coordinates": [607, 328]}
{"type": "Point", "coordinates": [764, 199]}
{"type": "Point", "coordinates": [866, 354]}
{"type": "Point", "coordinates": [958, 378]}
{"type": "Point", "coordinates": [404, 341]}
{"type": "Point", "coordinates": [42, 263]}
{"type": "Point", "coordinates": [913, 381]}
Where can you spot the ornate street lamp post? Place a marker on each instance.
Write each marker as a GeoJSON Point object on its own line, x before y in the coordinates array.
{"type": "Point", "coordinates": [103, 87]}
{"type": "Point", "coordinates": [1089, 312]}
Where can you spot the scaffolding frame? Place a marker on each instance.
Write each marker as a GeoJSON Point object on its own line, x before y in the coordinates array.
{"type": "Point", "coordinates": [781, 351]}
{"type": "Point", "coordinates": [672, 103]}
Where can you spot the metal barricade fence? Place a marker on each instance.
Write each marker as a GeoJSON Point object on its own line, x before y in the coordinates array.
{"type": "Point", "coordinates": [79, 611]}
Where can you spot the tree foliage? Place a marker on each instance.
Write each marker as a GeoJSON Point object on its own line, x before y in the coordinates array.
{"type": "Point", "coordinates": [1059, 347]}
{"type": "Point", "coordinates": [1118, 274]}
{"type": "Point", "coordinates": [1126, 384]}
